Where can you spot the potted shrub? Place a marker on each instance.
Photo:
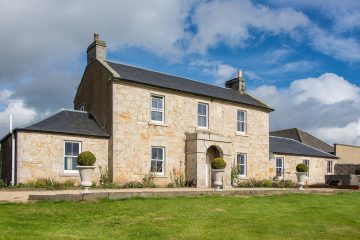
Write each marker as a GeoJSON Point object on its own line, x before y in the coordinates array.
{"type": "Point", "coordinates": [301, 172]}
{"type": "Point", "coordinates": [86, 167]}
{"type": "Point", "coordinates": [357, 172]}
{"type": "Point", "coordinates": [218, 168]}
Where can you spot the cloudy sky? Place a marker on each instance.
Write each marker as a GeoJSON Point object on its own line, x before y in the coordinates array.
{"type": "Point", "coordinates": [301, 57]}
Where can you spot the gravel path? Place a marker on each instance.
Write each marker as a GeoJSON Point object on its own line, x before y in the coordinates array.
{"type": "Point", "coordinates": [21, 196]}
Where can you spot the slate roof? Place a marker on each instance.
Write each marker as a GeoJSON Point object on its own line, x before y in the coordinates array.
{"type": "Point", "coordinates": [69, 122]}
{"type": "Point", "coordinates": [293, 147]}
{"type": "Point", "coordinates": [304, 137]}
{"type": "Point", "coordinates": [148, 77]}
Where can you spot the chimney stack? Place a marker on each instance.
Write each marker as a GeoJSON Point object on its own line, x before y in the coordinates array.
{"type": "Point", "coordinates": [237, 84]}
{"type": "Point", "coordinates": [96, 50]}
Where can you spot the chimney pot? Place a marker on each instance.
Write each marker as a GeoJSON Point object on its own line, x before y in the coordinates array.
{"type": "Point", "coordinates": [238, 83]}
{"type": "Point", "coordinates": [96, 50]}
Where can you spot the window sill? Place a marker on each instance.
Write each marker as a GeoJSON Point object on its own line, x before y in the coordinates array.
{"type": "Point", "coordinates": [242, 178]}
{"type": "Point", "coordinates": [69, 174]}
{"type": "Point", "coordinates": [202, 129]}
{"type": "Point", "coordinates": [241, 134]}
{"type": "Point", "coordinates": [158, 124]}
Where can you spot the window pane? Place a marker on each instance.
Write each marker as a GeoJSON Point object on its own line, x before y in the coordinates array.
{"type": "Point", "coordinates": [160, 154]}
{"type": "Point", "coordinates": [153, 102]}
{"type": "Point", "coordinates": [75, 149]}
{"type": "Point", "coordinates": [202, 109]}
{"type": "Point", "coordinates": [159, 165]}
{"type": "Point", "coordinates": [68, 148]}
{"type": "Point", "coordinates": [241, 126]}
{"type": "Point", "coordinates": [74, 163]}
{"type": "Point", "coordinates": [201, 121]}
{"type": "Point", "coordinates": [153, 153]}
{"type": "Point", "coordinates": [68, 163]}
{"type": "Point", "coordinates": [159, 116]}
{"type": "Point", "coordinates": [241, 116]}
{"type": "Point", "coordinates": [153, 166]}
{"type": "Point", "coordinates": [242, 170]}
{"type": "Point", "coordinates": [160, 103]}
{"type": "Point", "coordinates": [153, 116]}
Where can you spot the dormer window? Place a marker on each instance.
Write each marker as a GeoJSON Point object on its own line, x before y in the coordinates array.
{"type": "Point", "coordinates": [82, 107]}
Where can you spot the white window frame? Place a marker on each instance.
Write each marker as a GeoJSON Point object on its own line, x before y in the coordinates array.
{"type": "Point", "coordinates": [64, 156]}
{"type": "Point", "coordinates": [244, 164]}
{"type": "Point", "coordinates": [282, 166]}
{"type": "Point", "coordinates": [162, 173]}
{"type": "Point", "coordinates": [244, 121]}
{"type": "Point", "coordinates": [206, 115]}
{"type": "Point", "coordinates": [329, 167]}
{"type": "Point", "coordinates": [159, 110]}
{"type": "Point", "coordinates": [307, 163]}
{"type": "Point", "coordinates": [82, 107]}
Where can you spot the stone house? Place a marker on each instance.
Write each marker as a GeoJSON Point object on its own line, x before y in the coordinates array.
{"type": "Point", "coordinates": [138, 121]}
{"type": "Point", "coordinates": [286, 153]}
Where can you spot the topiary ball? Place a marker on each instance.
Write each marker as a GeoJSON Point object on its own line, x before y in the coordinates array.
{"type": "Point", "coordinates": [301, 168]}
{"type": "Point", "coordinates": [86, 158]}
{"type": "Point", "coordinates": [357, 171]}
{"type": "Point", "coordinates": [218, 163]}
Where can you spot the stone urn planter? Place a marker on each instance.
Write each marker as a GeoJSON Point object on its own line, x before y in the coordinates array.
{"type": "Point", "coordinates": [86, 173]}
{"type": "Point", "coordinates": [86, 167]}
{"type": "Point", "coordinates": [218, 168]}
{"type": "Point", "coordinates": [218, 178]}
{"type": "Point", "coordinates": [301, 172]}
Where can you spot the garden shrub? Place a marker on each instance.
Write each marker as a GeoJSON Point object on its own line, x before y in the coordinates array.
{"type": "Point", "coordinates": [86, 158]}
{"type": "Point", "coordinates": [149, 181]}
{"type": "Point", "coordinates": [133, 184]}
{"type": "Point", "coordinates": [177, 177]}
{"type": "Point", "coordinates": [47, 183]}
{"type": "Point", "coordinates": [218, 163]}
{"type": "Point", "coordinates": [301, 167]}
{"type": "Point", "coordinates": [357, 171]}
{"type": "Point", "coordinates": [267, 183]}
{"type": "Point", "coordinates": [2, 183]}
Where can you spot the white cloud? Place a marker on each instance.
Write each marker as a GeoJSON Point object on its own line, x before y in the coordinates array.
{"type": "Point", "coordinates": [334, 134]}
{"type": "Point", "coordinates": [326, 106]}
{"type": "Point", "coordinates": [21, 114]}
{"type": "Point", "coordinates": [219, 71]}
{"type": "Point", "coordinates": [230, 22]}
{"type": "Point", "coordinates": [327, 89]}
{"type": "Point", "coordinates": [346, 49]}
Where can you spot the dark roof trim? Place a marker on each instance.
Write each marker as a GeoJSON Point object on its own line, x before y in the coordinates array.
{"type": "Point", "coordinates": [306, 155]}
{"type": "Point", "coordinates": [59, 132]}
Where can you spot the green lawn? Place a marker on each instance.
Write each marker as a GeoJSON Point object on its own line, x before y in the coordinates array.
{"type": "Point", "coordinates": [273, 217]}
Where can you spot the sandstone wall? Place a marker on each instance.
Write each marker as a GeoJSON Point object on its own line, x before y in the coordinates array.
{"type": "Point", "coordinates": [317, 172]}
{"type": "Point", "coordinates": [347, 154]}
{"type": "Point", "coordinates": [41, 155]}
{"type": "Point", "coordinates": [134, 133]}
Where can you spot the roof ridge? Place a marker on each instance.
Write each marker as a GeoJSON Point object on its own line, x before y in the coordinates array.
{"type": "Point", "coordinates": [299, 136]}
{"type": "Point", "coordinates": [316, 138]}
{"type": "Point", "coordinates": [305, 145]}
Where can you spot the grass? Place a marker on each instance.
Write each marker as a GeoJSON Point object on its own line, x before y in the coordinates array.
{"type": "Point", "coordinates": [288, 216]}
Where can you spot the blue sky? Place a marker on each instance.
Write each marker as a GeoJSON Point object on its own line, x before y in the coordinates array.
{"type": "Point", "coordinates": [301, 57]}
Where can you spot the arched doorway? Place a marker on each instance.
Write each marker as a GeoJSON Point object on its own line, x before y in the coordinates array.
{"type": "Point", "coordinates": [211, 153]}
